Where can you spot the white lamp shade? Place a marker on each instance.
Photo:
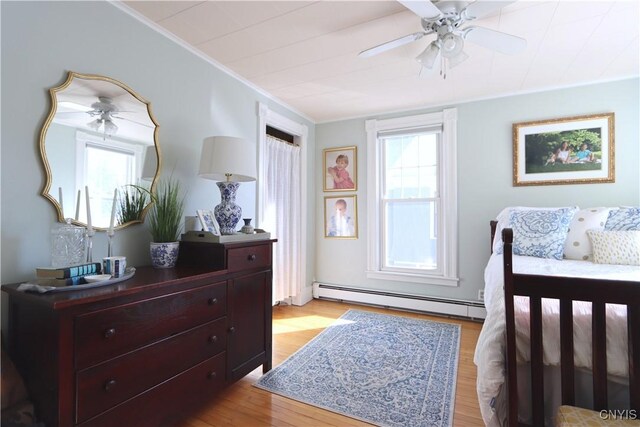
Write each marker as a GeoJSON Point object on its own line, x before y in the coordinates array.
{"type": "Point", "coordinates": [227, 155]}
{"type": "Point", "coordinates": [150, 164]}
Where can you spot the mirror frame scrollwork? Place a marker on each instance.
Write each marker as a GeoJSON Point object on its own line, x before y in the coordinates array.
{"type": "Point", "coordinates": [43, 154]}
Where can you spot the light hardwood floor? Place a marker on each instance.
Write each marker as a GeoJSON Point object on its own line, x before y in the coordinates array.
{"type": "Point", "coordinates": [244, 405]}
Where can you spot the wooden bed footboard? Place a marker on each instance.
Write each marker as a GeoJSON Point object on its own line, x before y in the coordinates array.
{"type": "Point", "coordinates": [567, 289]}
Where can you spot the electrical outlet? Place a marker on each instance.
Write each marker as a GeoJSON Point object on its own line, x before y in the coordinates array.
{"type": "Point", "coordinates": [481, 294]}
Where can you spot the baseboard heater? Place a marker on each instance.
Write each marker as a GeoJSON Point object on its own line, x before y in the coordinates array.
{"type": "Point", "coordinates": [470, 309]}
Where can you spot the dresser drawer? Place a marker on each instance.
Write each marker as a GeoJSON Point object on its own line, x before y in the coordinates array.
{"type": "Point", "coordinates": [107, 384]}
{"type": "Point", "coordinates": [108, 333]}
{"type": "Point", "coordinates": [249, 257]}
{"type": "Point", "coordinates": [172, 396]}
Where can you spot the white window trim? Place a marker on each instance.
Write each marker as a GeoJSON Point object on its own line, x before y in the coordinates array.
{"type": "Point", "coordinates": [448, 185]}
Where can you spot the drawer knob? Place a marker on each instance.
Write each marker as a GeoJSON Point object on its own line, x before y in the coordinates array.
{"type": "Point", "coordinates": [232, 329]}
{"type": "Point", "coordinates": [213, 301]}
{"type": "Point", "coordinates": [109, 385]}
{"type": "Point", "coordinates": [213, 338]}
{"type": "Point", "coordinates": [251, 257]}
{"type": "Point", "coordinates": [109, 332]}
{"type": "Point", "coordinates": [211, 375]}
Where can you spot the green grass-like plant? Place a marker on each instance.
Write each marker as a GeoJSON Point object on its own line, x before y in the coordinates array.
{"type": "Point", "coordinates": [131, 204]}
{"type": "Point", "coordinates": [165, 217]}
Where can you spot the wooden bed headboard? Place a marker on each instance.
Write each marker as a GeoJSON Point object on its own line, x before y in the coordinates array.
{"type": "Point", "coordinates": [568, 289]}
{"type": "Point", "coordinates": [493, 224]}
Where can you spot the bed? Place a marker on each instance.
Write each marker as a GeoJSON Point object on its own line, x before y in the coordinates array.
{"type": "Point", "coordinates": [560, 276]}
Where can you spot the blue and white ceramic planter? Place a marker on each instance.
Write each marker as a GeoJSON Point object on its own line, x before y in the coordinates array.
{"type": "Point", "coordinates": [164, 255]}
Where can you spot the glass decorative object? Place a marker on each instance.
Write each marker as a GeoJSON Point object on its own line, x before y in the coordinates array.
{"type": "Point", "coordinates": [67, 244]}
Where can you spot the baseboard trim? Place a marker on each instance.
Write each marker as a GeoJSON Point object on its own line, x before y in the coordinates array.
{"type": "Point", "coordinates": [449, 307]}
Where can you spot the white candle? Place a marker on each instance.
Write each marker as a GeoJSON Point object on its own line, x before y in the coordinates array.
{"type": "Point", "coordinates": [89, 227]}
{"type": "Point", "coordinates": [78, 205]}
{"type": "Point", "coordinates": [60, 200]}
{"type": "Point", "coordinates": [113, 210]}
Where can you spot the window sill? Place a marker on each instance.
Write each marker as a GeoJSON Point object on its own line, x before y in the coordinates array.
{"type": "Point", "coordinates": [413, 278]}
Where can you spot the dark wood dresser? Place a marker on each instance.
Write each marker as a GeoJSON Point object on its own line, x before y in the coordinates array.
{"type": "Point", "coordinates": [142, 351]}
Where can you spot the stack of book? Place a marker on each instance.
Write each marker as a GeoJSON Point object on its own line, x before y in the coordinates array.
{"type": "Point", "coordinates": [66, 276]}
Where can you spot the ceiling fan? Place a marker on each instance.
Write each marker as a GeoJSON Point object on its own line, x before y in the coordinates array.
{"type": "Point", "coordinates": [104, 109]}
{"type": "Point", "coordinates": [445, 19]}
{"type": "Point", "coordinates": [104, 112]}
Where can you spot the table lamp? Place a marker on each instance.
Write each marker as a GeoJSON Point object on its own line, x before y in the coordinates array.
{"type": "Point", "coordinates": [230, 161]}
{"type": "Point", "coordinates": [150, 163]}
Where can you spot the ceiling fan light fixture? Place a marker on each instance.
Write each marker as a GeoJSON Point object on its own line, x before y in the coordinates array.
{"type": "Point", "coordinates": [452, 45]}
{"type": "Point", "coordinates": [95, 124]}
{"type": "Point", "coordinates": [110, 128]}
{"type": "Point", "coordinates": [428, 56]}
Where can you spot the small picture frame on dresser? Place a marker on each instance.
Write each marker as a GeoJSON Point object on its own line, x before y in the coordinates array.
{"type": "Point", "coordinates": [208, 221]}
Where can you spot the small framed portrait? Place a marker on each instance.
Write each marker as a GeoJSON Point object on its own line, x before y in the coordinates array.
{"type": "Point", "coordinates": [341, 217]}
{"type": "Point", "coordinates": [570, 150]}
{"type": "Point", "coordinates": [208, 221]}
{"type": "Point", "coordinates": [340, 169]}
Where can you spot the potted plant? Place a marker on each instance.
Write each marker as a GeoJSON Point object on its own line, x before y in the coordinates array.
{"type": "Point", "coordinates": [132, 203]}
{"type": "Point", "coordinates": [165, 223]}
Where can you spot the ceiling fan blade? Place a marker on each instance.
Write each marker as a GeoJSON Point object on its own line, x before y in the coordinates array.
{"type": "Point", "coordinates": [132, 121]}
{"type": "Point", "coordinates": [391, 45]}
{"type": "Point", "coordinates": [481, 8]}
{"type": "Point", "coordinates": [495, 40]}
{"type": "Point", "coordinates": [423, 8]}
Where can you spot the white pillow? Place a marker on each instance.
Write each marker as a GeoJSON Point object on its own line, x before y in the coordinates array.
{"type": "Point", "coordinates": [578, 246]}
{"type": "Point", "coordinates": [615, 247]}
{"type": "Point", "coordinates": [503, 222]}
{"type": "Point", "coordinates": [540, 233]}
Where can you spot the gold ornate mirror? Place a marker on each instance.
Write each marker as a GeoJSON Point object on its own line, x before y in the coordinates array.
{"type": "Point", "coordinates": [100, 135]}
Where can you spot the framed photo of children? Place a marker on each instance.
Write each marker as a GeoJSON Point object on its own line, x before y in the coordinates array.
{"type": "Point", "coordinates": [571, 150]}
{"type": "Point", "coordinates": [340, 169]}
{"type": "Point", "coordinates": [341, 217]}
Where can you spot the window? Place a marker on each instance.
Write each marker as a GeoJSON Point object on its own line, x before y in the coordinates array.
{"type": "Point", "coordinates": [412, 197]}
{"type": "Point", "coordinates": [104, 165]}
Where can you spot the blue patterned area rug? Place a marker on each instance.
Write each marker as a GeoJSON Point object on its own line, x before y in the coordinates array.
{"type": "Point", "coordinates": [382, 369]}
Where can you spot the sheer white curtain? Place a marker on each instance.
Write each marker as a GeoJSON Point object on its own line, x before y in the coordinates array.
{"type": "Point", "coordinates": [282, 215]}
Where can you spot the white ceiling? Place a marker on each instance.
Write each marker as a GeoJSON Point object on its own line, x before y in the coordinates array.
{"type": "Point", "coordinates": [305, 53]}
{"type": "Point", "coordinates": [131, 115]}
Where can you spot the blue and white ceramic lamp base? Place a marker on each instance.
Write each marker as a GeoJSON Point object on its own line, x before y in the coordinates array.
{"type": "Point", "coordinates": [228, 213]}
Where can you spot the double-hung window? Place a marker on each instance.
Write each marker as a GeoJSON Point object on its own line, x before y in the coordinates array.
{"type": "Point", "coordinates": [411, 196]}
{"type": "Point", "coordinates": [103, 166]}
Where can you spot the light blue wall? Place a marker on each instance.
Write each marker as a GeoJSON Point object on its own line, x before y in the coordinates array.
{"type": "Point", "coordinates": [190, 98]}
{"type": "Point", "coordinates": [485, 176]}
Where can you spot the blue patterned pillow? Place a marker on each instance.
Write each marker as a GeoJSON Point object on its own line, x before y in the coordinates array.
{"type": "Point", "coordinates": [540, 233]}
{"type": "Point", "coordinates": [623, 219]}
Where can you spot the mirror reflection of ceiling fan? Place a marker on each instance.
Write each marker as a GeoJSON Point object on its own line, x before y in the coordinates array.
{"type": "Point", "coordinates": [445, 19]}
{"type": "Point", "coordinates": [104, 112]}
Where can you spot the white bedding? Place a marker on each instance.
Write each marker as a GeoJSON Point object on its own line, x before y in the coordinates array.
{"type": "Point", "coordinates": [490, 350]}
